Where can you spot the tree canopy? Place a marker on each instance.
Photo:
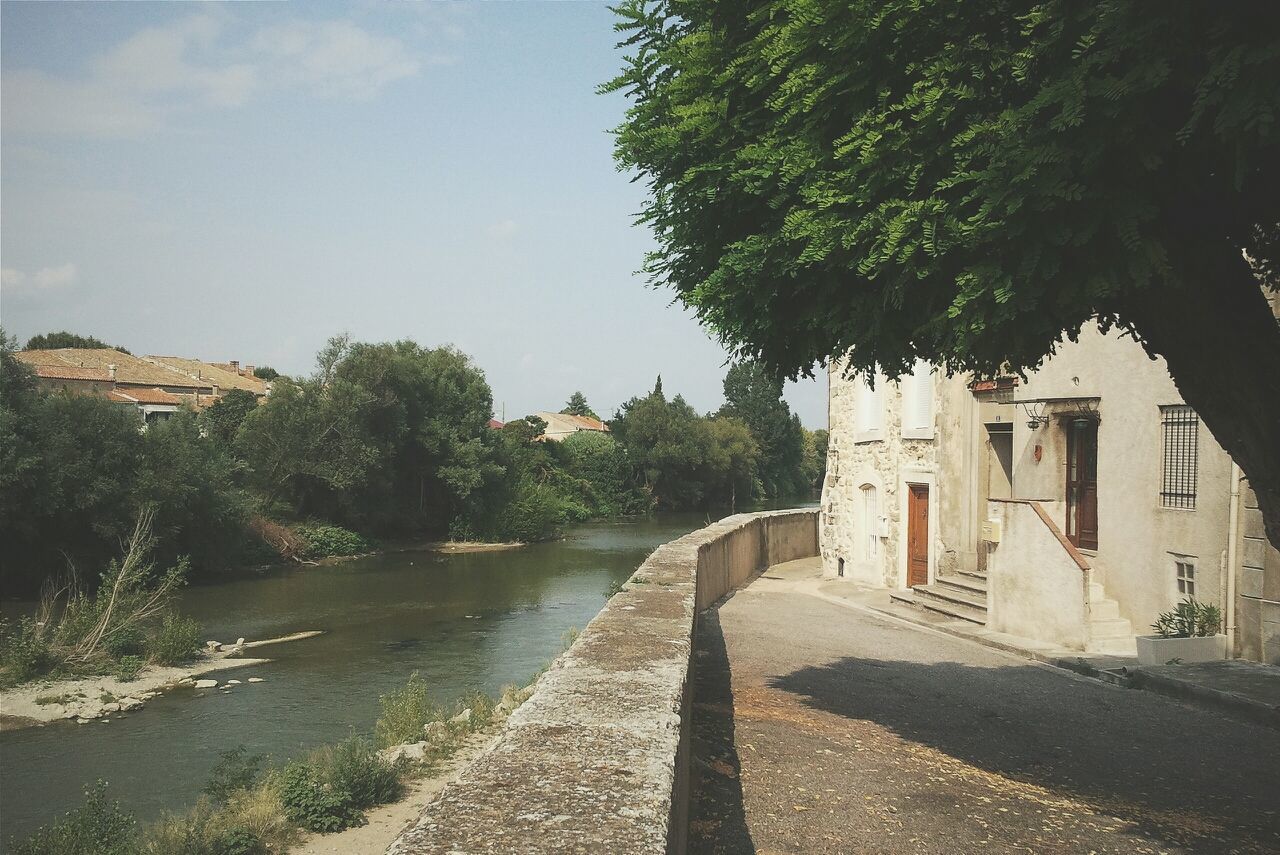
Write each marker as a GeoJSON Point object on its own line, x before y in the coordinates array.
{"type": "Point", "coordinates": [55, 340]}
{"type": "Point", "coordinates": [754, 396]}
{"type": "Point", "coordinates": [968, 184]}
{"type": "Point", "coordinates": [577, 406]}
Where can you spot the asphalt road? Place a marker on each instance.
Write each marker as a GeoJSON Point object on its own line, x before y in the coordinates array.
{"type": "Point", "coordinates": [822, 729]}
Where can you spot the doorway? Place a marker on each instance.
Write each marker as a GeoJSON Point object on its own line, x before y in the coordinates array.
{"type": "Point", "coordinates": [1000, 462]}
{"type": "Point", "coordinates": [917, 534]}
{"type": "Point", "coordinates": [1082, 483]}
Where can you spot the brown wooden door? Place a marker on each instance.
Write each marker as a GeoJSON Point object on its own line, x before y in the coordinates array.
{"type": "Point", "coordinates": [918, 534]}
{"type": "Point", "coordinates": [1082, 483]}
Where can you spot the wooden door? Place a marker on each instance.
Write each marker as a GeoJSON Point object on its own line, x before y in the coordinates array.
{"type": "Point", "coordinates": [918, 534]}
{"type": "Point", "coordinates": [1082, 483]}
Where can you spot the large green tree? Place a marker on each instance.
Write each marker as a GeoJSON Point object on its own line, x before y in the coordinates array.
{"type": "Point", "coordinates": [577, 406]}
{"type": "Point", "coordinates": [969, 183]}
{"type": "Point", "coordinates": [55, 340]}
{"type": "Point", "coordinates": [754, 396]}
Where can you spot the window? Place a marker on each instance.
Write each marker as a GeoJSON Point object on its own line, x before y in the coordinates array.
{"type": "Point", "coordinates": [1181, 434]}
{"type": "Point", "coordinates": [917, 402]}
{"type": "Point", "coordinates": [1185, 570]}
{"type": "Point", "coordinates": [870, 522]}
{"type": "Point", "coordinates": [869, 410]}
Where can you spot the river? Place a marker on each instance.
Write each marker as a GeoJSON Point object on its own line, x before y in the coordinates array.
{"type": "Point", "coordinates": [463, 621]}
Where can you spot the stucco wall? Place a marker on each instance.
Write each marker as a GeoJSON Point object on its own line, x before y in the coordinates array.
{"type": "Point", "coordinates": [597, 759]}
{"type": "Point", "coordinates": [1035, 587]}
{"type": "Point", "coordinates": [1136, 535]}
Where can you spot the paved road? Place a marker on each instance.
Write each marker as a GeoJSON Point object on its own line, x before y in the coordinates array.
{"type": "Point", "coordinates": [823, 729]}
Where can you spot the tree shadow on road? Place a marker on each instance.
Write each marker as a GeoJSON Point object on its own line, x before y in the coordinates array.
{"type": "Point", "coordinates": [1178, 774]}
{"type": "Point", "coordinates": [717, 821]}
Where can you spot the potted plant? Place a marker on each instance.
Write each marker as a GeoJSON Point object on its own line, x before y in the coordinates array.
{"type": "Point", "coordinates": [1189, 633]}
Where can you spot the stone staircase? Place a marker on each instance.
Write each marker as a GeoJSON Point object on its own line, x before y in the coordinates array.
{"type": "Point", "coordinates": [1108, 632]}
{"type": "Point", "coordinates": [961, 595]}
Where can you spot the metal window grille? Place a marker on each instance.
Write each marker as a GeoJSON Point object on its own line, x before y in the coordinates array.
{"type": "Point", "coordinates": [1181, 443]}
{"type": "Point", "coordinates": [1186, 578]}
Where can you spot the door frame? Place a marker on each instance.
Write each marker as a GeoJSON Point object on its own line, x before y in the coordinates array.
{"type": "Point", "coordinates": [925, 478]}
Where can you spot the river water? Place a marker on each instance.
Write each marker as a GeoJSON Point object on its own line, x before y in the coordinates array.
{"type": "Point", "coordinates": [463, 621]}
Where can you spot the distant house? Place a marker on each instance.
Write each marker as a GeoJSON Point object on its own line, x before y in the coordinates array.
{"type": "Point", "coordinates": [561, 425]}
{"type": "Point", "coordinates": [157, 386]}
{"type": "Point", "coordinates": [494, 424]}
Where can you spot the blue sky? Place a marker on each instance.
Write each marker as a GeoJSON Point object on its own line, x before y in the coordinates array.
{"type": "Point", "coordinates": [243, 181]}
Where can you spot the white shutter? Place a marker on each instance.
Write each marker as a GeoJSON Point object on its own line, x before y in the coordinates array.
{"type": "Point", "coordinates": [918, 399]}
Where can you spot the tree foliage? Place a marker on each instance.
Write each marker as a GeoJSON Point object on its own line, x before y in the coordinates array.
{"type": "Point", "coordinates": [577, 406]}
{"type": "Point", "coordinates": [969, 183]}
{"type": "Point", "coordinates": [56, 340]}
{"type": "Point", "coordinates": [754, 396]}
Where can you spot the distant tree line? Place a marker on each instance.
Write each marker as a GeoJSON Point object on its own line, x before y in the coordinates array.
{"type": "Point", "coordinates": [390, 440]}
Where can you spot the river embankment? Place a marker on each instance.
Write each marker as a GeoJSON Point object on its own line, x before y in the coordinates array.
{"type": "Point", "coordinates": [100, 697]}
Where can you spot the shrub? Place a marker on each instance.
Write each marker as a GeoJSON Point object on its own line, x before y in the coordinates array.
{"type": "Point", "coordinates": [203, 830]}
{"type": "Point", "coordinates": [24, 653]}
{"type": "Point", "coordinates": [175, 640]}
{"type": "Point", "coordinates": [100, 827]}
{"type": "Point", "coordinates": [405, 712]}
{"type": "Point", "coordinates": [128, 667]}
{"type": "Point", "coordinates": [353, 766]}
{"type": "Point", "coordinates": [1189, 619]}
{"type": "Point", "coordinates": [233, 772]}
{"type": "Point", "coordinates": [329, 540]}
{"type": "Point", "coordinates": [312, 803]}
{"type": "Point", "coordinates": [127, 640]}
{"type": "Point", "coordinates": [330, 789]}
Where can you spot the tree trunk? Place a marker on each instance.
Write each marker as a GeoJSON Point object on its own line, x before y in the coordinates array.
{"type": "Point", "coordinates": [1221, 343]}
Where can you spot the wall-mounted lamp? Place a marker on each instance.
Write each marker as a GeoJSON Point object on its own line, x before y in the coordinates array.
{"type": "Point", "coordinates": [1036, 418]}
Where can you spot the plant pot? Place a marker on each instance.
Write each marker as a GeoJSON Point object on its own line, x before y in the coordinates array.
{"type": "Point", "coordinates": [1157, 650]}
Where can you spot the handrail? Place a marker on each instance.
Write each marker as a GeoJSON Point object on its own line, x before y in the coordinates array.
{"type": "Point", "coordinates": [1075, 553]}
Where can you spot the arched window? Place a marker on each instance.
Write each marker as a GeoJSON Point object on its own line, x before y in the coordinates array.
{"type": "Point", "coordinates": [870, 522]}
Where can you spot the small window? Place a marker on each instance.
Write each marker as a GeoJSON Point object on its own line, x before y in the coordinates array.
{"type": "Point", "coordinates": [1179, 462]}
{"type": "Point", "coordinates": [870, 522]}
{"type": "Point", "coordinates": [1186, 573]}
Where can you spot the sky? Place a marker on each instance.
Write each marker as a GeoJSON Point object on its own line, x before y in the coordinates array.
{"type": "Point", "coordinates": [243, 181]}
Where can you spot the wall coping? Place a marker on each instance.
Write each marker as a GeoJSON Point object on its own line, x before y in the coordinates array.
{"type": "Point", "coordinates": [597, 759]}
{"type": "Point", "coordinates": [1076, 555]}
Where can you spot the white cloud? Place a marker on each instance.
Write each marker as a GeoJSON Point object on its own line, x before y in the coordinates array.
{"type": "Point", "coordinates": [135, 88]}
{"type": "Point", "coordinates": [18, 282]}
{"type": "Point", "coordinates": [502, 229]}
{"type": "Point", "coordinates": [335, 58]}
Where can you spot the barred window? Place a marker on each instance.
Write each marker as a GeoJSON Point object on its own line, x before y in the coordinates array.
{"type": "Point", "coordinates": [1181, 444]}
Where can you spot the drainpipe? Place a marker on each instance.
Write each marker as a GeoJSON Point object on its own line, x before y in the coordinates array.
{"type": "Point", "coordinates": [1229, 610]}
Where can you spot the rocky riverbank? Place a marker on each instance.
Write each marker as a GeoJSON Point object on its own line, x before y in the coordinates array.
{"type": "Point", "coordinates": [102, 697]}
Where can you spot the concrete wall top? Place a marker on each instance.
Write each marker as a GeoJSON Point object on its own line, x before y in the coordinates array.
{"type": "Point", "coordinates": [591, 763]}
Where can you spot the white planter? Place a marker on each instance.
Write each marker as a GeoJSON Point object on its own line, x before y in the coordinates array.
{"type": "Point", "coordinates": [1155, 650]}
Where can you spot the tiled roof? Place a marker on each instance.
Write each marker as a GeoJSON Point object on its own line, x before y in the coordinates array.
{"type": "Point", "coordinates": [68, 372]}
{"type": "Point", "coordinates": [145, 396]}
{"type": "Point", "coordinates": [224, 376]}
{"type": "Point", "coordinates": [129, 369]}
{"type": "Point", "coordinates": [495, 424]}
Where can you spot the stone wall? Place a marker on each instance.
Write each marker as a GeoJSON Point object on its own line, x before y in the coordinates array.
{"type": "Point", "coordinates": [597, 759]}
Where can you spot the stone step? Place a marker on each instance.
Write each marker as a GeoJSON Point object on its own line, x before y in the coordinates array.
{"type": "Point", "coordinates": [947, 602]}
{"type": "Point", "coordinates": [1113, 628]}
{"type": "Point", "coordinates": [1104, 609]}
{"type": "Point", "coordinates": [965, 584]}
{"type": "Point", "coordinates": [976, 575]}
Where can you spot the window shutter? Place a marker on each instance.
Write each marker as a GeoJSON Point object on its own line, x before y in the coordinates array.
{"type": "Point", "coordinates": [870, 406]}
{"type": "Point", "coordinates": [918, 406]}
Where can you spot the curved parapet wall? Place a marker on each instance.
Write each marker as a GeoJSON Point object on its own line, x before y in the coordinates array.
{"type": "Point", "coordinates": [596, 761]}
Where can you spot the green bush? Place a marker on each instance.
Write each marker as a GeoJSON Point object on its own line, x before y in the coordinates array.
{"type": "Point", "coordinates": [24, 653]}
{"type": "Point", "coordinates": [312, 803]}
{"type": "Point", "coordinates": [239, 841]}
{"type": "Point", "coordinates": [233, 772]}
{"type": "Point", "coordinates": [174, 641]}
{"type": "Point", "coordinates": [100, 827]}
{"type": "Point", "coordinates": [325, 540]}
{"type": "Point", "coordinates": [128, 667]}
{"type": "Point", "coordinates": [405, 712]}
{"type": "Point", "coordinates": [1189, 619]}
{"type": "Point", "coordinates": [330, 789]}
{"type": "Point", "coordinates": [125, 641]}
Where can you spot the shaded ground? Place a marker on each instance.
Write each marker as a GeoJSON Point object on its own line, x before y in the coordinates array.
{"type": "Point", "coordinates": [819, 729]}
